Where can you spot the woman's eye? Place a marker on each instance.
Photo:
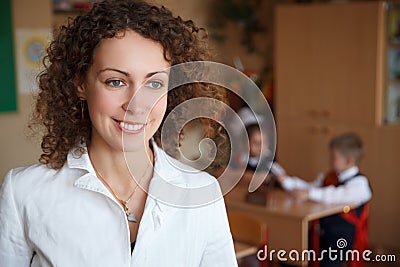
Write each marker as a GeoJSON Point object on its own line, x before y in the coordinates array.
{"type": "Point", "coordinates": [154, 84]}
{"type": "Point", "coordinates": [115, 83]}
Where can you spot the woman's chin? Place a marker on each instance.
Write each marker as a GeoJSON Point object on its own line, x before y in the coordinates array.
{"type": "Point", "coordinates": [134, 144]}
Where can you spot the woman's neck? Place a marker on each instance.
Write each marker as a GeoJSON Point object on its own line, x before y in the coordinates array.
{"type": "Point", "coordinates": [121, 170]}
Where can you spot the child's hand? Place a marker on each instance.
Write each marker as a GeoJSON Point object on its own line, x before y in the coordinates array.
{"type": "Point", "coordinates": [300, 194]}
{"type": "Point", "coordinates": [280, 178]}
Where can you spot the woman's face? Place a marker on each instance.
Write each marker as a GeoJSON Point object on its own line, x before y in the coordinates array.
{"type": "Point", "coordinates": [126, 91]}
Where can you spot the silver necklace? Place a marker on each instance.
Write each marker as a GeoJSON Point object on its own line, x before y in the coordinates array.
{"type": "Point", "coordinates": [129, 215]}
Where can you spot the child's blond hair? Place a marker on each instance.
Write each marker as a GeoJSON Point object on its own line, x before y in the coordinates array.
{"type": "Point", "coordinates": [349, 145]}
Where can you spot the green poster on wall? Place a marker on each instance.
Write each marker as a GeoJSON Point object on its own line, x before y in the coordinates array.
{"type": "Point", "coordinates": [8, 99]}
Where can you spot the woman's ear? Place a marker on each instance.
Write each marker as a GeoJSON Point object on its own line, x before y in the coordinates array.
{"type": "Point", "coordinates": [81, 91]}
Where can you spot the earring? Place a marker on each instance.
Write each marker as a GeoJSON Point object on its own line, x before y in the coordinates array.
{"type": "Point", "coordinates": [82, 110]}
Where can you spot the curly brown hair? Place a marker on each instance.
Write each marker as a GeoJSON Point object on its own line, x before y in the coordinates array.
{"type": "Point", "coordinates": [70, 55]}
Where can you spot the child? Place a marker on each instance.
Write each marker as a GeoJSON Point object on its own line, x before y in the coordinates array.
{"type": "Point", "coordinates": [259, 153]}
{"type": "Point", "coordinates": [344, 184]}
{"type": "Point", "coordinates": [257, 160]}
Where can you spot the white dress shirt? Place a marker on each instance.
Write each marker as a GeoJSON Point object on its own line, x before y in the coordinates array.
{"type": "Point", "coordinates": [356, 190]}
{"type": "Point", "coordinates": [67, 217]}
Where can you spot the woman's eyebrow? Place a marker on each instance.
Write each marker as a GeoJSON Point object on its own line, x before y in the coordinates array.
{"type": "Point", "coordinates": [148, 75]}
{"type": "Point", "coordinates": [116, 70]}
{"type": "Point", "coordinates": [156, 72]}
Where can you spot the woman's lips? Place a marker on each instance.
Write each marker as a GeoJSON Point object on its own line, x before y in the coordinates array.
{"type": "Point", "coordinates": [130, 127]}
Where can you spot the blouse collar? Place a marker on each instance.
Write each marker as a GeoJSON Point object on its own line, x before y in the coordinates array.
{"type": "Point", "coordinates": [163, 193]}
{"type": "Point", "coordinates": [348, 173]}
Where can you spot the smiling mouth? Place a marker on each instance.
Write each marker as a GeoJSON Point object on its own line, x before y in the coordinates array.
{"type": "Point", "coordinates": [129, 126]}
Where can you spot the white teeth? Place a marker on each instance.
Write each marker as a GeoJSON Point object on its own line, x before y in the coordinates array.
{"type": "Point", "coordinates": [131, 127]}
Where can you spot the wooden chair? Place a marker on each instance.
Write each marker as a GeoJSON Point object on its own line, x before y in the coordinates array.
{"type": "Point", "coordinates": [249, 234]}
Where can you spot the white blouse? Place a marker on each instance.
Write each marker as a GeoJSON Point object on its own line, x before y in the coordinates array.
{"type": "Point", "coordinates": [67, 217]}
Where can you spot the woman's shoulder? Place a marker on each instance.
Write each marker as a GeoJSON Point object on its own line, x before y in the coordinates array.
{"type": "Point", "coordinates": [24, 180]}
{"type": "Point", "coordinates": [190, 175]}
{"type": "Point", "coordinates": [36, 167]}
{"type": "Point", "coordinates": [174, 170]}
{"type": "Point", "coordinates": [28, 172]}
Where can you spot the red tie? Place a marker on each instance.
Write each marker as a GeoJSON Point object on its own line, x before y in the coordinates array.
{"type": "Point", "coordinates": [331, 178]}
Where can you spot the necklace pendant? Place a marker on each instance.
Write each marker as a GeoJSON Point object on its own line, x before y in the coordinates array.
{"type": "Point", "coordinates": [131, 217]}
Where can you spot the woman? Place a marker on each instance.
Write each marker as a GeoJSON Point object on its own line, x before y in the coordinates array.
{"type": "Point", "coordinates": [86, 203]}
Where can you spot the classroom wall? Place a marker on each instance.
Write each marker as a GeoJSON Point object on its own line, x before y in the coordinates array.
{"type": "Point", "coordinates": [201, 12]}
{"type": "Point", "coordinates": [16, 148]}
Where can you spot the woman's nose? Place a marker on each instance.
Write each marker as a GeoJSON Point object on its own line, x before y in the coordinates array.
{"type": "Point", "coordinates": [137, 101]}
{"type": "Point", "coordinates": [132, 103]}
{"type": "Point", "coordinates": [141, 100]}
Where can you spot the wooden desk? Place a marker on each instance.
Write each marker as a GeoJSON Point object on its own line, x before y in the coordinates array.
{"type": "Point", "coordinates": [287, 219]}
{"type": "Point", "coordinates": [243, 250]}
